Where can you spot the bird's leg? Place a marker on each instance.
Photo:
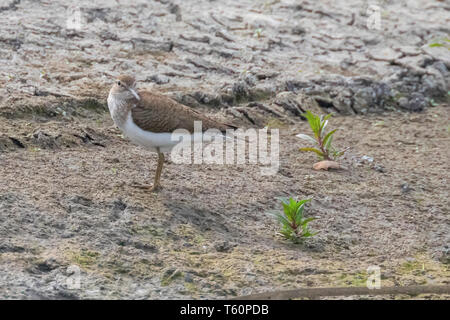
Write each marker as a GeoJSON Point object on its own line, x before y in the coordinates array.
{"type": "Point", "coordinates": [156, 184]}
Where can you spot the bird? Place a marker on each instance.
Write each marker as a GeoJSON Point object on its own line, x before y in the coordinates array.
{"type": "Point", "coordinates": [148, 118]}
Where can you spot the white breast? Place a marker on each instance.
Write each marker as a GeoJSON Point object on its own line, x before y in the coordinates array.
{"type": "Point", "coordinates": [147, 139]}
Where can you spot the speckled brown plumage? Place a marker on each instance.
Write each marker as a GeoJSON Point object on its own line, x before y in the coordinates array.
{"type": "Point", "coordinates": [158, 113]}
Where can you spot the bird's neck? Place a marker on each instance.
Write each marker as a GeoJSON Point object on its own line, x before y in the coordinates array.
{"type": "Point", "coordinates": [119, 108]}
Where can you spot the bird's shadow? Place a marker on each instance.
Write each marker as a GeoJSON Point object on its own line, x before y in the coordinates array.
{"type": "Point", "coordinates": [202, 218]}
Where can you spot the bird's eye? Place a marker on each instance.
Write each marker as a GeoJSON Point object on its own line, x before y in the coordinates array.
{"type": "Point", "coordinates": [119, 83]}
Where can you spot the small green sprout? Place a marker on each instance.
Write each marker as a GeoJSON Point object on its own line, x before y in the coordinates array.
{"type": "Point", "coordinates": [441, 42]}
{"type": "Point", "coordinates": [436, 44]}
{"type": "Point", "coordinates": [318, 124]}
{"type": "Point", "coordinates": [294, 226]}
{"type": "Point", "coordinates": [258, 33]}
{"type": "Point", "coordinates": [433, 103]}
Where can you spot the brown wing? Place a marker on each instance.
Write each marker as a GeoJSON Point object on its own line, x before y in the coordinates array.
{"type": "Point", "coordinates": [158, 113]}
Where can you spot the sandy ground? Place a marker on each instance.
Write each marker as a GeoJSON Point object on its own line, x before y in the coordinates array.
{"type": "Point", "coordinates": [208, 234]}
{"type": "Point", "coordinates": [67, 208]}
{"type": "Point", "coordinates": [225, 53]}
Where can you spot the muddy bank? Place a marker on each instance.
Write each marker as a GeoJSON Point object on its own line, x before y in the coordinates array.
{"type": "Point", "coordinates": [67, 208]}
{"type": "Point", "coordinates": [208, 233]}
{"type": "Point", "coordinates": [345, 56]}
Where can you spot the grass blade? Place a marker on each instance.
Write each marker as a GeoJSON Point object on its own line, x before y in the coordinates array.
{"type": "Point", "coordinates": [327, 138]}
{"type": "Point", "coordinates": [306, 137]}
{"type": "Point", "coordinates": [318, 152]}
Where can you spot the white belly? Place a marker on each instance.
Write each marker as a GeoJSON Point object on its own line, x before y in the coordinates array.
{"type": "Point", "coordinates": [162, 141]}
{"type": "Point", "coordinates": [147, 139]}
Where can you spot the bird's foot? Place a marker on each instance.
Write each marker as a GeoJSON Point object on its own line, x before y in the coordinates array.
{"type": "Point", "coordinates": [147, 187]}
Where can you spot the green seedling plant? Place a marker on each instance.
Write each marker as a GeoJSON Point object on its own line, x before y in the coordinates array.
{"type": "Point", "coordinates": [294, 225]}
{"type": "Point", "coordinates": [440, 43]}
{"type": "Point", "coordinates": [323, 141]}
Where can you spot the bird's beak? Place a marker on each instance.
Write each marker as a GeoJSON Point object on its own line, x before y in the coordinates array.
{"type": "Point", "coordinates": [134, 94]}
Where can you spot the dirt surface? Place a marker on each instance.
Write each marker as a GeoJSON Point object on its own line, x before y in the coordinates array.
{"type": "Point", "coordinates": [208, 234]}
{"type": "Point", "coordinates": [66, 200]}
{"type": "Point", "coordinates": [224, 54]}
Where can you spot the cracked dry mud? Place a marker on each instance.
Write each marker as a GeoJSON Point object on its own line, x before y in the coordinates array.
{"type": "Point", "coordinates": [65, 171]}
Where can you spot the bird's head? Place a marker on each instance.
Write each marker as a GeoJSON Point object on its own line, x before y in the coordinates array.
{"type": "Point", "coordinates": [124, 87]}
